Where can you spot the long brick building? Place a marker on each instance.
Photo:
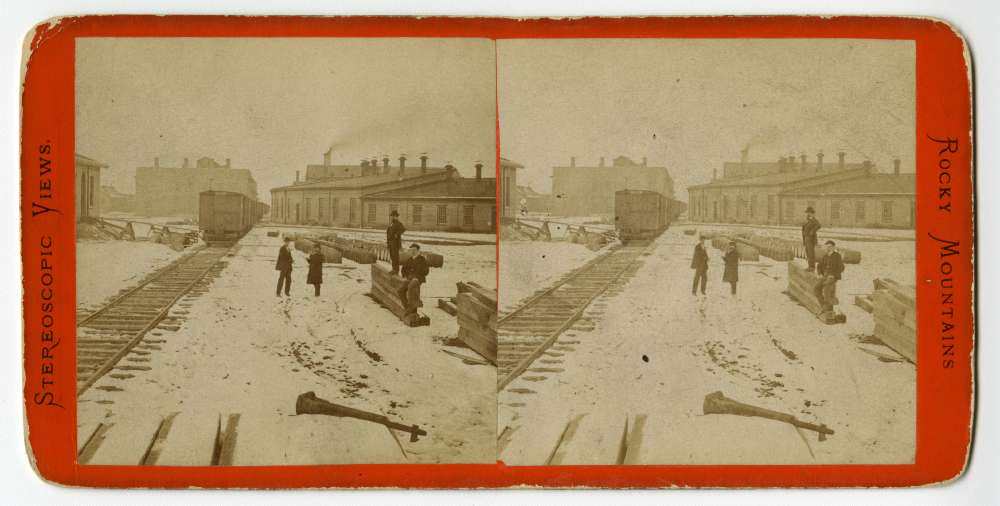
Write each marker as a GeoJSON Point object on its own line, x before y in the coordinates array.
{"type": "Point", "coordinates": [581, 190]}
{"type": "Point", "coordinates": [173, 191]}
{"type": "Point", "coordinates": [777, 193]}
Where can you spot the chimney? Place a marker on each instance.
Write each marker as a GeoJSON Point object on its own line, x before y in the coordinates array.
{"type": "Point", "coordinates": [373, 166]}
{"type": "Point", "coordinates": [228, 163]}
{"type": "Point", "coordinates": [479, 170]}
{"type": "Point", "coordinates": [296, 176]}
{"type": "Point", "coordinates": [385, 164]}
{"type": "Point", "coordinates": [791, 163]}
{"type": "Point", "coordinates": [364, 167]}
{"type": "Point", "coordinates": [572, 161]}
{"type": "Point", "coordinates": [326, 157]}
{"type": "Point", "coordinates": [423, 164]}
{"type": "Point", "coordinates": [803, 157]}
{"type": "Point", "coordinates": [402, 164]}
{"type": "Point", "coordinates": [840, 160]}
{"type": "Point", "coordinates": [185, 163]}
{"type": "Point", "coordinates": [644, 161]}
{"type": "Point", "coordinates": [601, 163]}
{"type": "Point", "coordinates": [156, 162]}
{"type": "Point", "coordinates": [819, 161]}
{"type": "Point", "coordinates": [895, 166]}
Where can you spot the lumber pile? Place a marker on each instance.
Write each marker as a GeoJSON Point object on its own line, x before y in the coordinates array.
{"type": "Point", "coordinates": [477, 319]}
{"type": "Point", "coordinates": [591, 240]}
{"type": "Point", "coordinates": [385, 289]}
{"type": "Point", "coordinates": [366, 252]}
{"type": "Point", "coordinates": [784, 250]}
{"type": "Point", "coordinates": [801, 286]}
{"type": "Point", "coordinates": [348, 250]}
{"type": "Point", "coordinates": [746, 252]}
{"type": "Point", "coordinates": [541, 233]}
{"type": "Point", "coordinates": [894, 310]}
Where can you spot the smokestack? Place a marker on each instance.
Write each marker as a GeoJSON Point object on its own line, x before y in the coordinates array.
{"type": "Point", "coordinates": [781, 164]}
{"type": "Point", "coordinates": [479, 170]}
{"type": "Point", "coordinates": [572, 161]}
{"type": "Point", "coordinates": [385, 164]}
{"type": "Point", "coordinates": [373, 166]}
{"type": "Point", "coordinates": [840, 160]}
{"type": "Point", "coordinates": [326, 157]}
{"type": "Point", "coordinates": [185, 163]}
{"type": "Point", "coordinates": [601, 163]}
{"type": "Point", "coordinates": [423, 164]}
{"type": "Point", "coordinates": [644, 161]}
{"type": "Point", "coordinates": [803, 157]}
{"type": "Point", "coordinates": [228, 163]}
{"type": "Point", "coordinates": [156, 162]}
{"type": "Point", "coordinates": [819, 161]}
{"type": "Point", "coordinates": [364, 167]}
{"type": "Point", "coordinates": [402, 164]}
{"type": "Point", "coordinates": [895, 166]}
{"type": "Point", "coordinates": [296, 176]}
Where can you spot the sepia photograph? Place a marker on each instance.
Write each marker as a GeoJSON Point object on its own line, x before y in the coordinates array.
{"type": "Point", "coordinates": [285, 250]}
{"type": "Point", "coordinates": [707, 252]}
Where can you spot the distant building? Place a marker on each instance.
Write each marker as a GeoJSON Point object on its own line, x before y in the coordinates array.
{"type": "Point", "coordinates": [86, 186]}
{"type": "Point", "coordinates": [778, 193]}
{"type": "Point", "coordinates": [533, 201]}
{"type": "Point", "coordinates": [113, 200]}
{"type": "Point", "coordinates": [582, 191]}
{"type": "Point", "coordinates": [427, 198]}
{"type": "Point", "coordinates": [173, 191]}
{"type": "Point", "coordinates": [509, 207]}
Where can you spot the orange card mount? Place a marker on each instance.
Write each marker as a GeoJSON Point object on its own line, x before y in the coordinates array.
{"type": "Point", "coordinates": [66, 199]}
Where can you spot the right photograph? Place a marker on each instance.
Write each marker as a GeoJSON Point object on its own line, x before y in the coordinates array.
{"type": "Point", "coordinates": [707, 251]}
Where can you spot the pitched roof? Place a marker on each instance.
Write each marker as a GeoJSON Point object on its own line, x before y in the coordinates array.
{"type": "Point", "coordinates": [86, 160]}
{"type": "Point", "coordinates": [452, 188]}
{"type": "Point", "coordinates": [510, 163]}
{"type": "Point", "coordinates": [774, 179]}
{"type": "Point", "coordinates": [366, 181]}
{"type": "Point", "coordinates": [880, 184]}
{"type": "Point", "coordinates": [530, 192]}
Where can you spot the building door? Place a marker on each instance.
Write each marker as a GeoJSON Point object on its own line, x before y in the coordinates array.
{"type": "Point", "coordinates": [297, 214]}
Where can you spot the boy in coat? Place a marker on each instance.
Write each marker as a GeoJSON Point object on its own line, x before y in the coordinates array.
{"type": "Point", "coordinates": [699, 262]}
{"type": "Point", "coordinates": [830, 267]}
{"type": "Point", "coordinates": [315, 276]}
{"type": "Point", "coordinates": [284, 267]}
{"type": "Point", "coordinates": [732, 272]}
{"type": "Point", "coordinates": [809, 239]}
{"type": "Point", "coordinates": [394, 239]}
{"type": "Point", "coordinates": [415, 272]}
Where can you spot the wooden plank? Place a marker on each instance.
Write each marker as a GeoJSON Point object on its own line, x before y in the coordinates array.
{"type": "Point", "coordinates": [864, 302]}
{"type": "Point", "coordinates": [448, 306]}
{"type": "Point", "coordinates": [898, 338]}
{"type": "Point", "coordinates": [159, 440]}
{"type": "Point", "coordinates": [384, 289]}
{"type": "Point", "coordinates": [91, 441]}
{"type": "Point", "coordinates": [127, 441]}
{"type": "Point", "coordinates": [191, 441]}
{"type": "Point", "coordinates": [225, 440]}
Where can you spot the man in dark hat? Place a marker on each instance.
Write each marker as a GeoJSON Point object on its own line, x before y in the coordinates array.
{"type": "Point", "coordinates": [809, 230]}
{"type": "Point", "coordinates": [394, 239]}
{"type": "Point", "coordinates": [699, 262]}
{"type": "Point", "coordinates": [415, 272]}
{"type": "Point", "coordinates": [284, 267]}
{"type": "Point", "coordinates": [830, 267]}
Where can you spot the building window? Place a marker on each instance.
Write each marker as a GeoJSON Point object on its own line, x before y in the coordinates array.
{"type": "Point", "coordinates": [753, 206]}
{"type": "Point", "coordinates": [393, 207]}
{"type": "Point", "coordinates": [333, 209]}
{"type": "Point", "coordinates": [418, 212]}
{"type": "Point", "coordinates": [887, 211]}
{"type": "Point", "coordinates": [371, 214]}
{"type": "Point", "coordinates": [355, 204]}
{"type": "Point", "coordinates": [308, 209]}
{"type": "Point", "coordinates": [467, 215]}
{"type": "Point", "coordinates": [442, 215]}
{"type": "Point", "coordinates": [770, 206]}
{"type": "Point", "coordinates": [789, 209]}
{"type": "Point", "coordinates": [859, 212]}
{"type": "Point", "coordinates": [834, 209]}
{"type": "Point", "coordinates": [90, 192]}
{"type": "Point", "coordinates": [322, 208]}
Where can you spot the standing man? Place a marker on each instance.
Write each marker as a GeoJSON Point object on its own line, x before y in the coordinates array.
{"type": "Point", "coordinates": [284, 267]}
{"type": "Point", "coordinates": [394, 239]}
{"type": "Point", "coordinates": [731, 273]}
{"type": "Point", "coordinates": [830, 267]}
{"type": "Point", "coordinates": [415, 272]}
{"type": "Point", "coordinates": [699, 262]}
{"type": "Point", "coordinates": [809, 239]}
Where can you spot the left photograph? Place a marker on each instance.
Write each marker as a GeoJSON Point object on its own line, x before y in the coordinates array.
{"type": "Point", "coordinates": [286, 251]}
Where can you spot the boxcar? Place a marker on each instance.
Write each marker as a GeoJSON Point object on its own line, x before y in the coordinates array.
{"type": "Point", "coordinates": [224, 217]}
{"type": "Point", "coordinates": [644, 214]}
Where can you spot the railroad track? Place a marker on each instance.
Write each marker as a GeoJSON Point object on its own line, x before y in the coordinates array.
{"type": "Point", "coordinates": [105, 336]}
{"type": "Point", "coordinates": [528, 331]}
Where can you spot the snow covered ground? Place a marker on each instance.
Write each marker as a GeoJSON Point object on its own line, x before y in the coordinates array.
{"type": "Point", "coordinates": [103, 268]}
{"type": "Point", "coordinates": [240, 349]}
{"type": "Point", "coordinates": [528, 266]}
{"type": "Point", "coordinates": [656, 350]}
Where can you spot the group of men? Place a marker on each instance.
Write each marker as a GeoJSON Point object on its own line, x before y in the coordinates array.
{"type": "Point", "coordinates": [414, 270]}
{"type": "Point", "coordinates": [829, 267]}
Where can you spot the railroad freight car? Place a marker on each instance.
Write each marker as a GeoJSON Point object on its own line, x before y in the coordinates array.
{"type": "Point", "coordinates": [224, 217]}
{"type": "Point", "coordinates": [644, 214]}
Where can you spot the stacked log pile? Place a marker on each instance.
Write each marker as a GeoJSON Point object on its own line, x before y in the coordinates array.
{"type": "Point", "coordinates": [747, 253]}
{"type": "Point", "coordinates": [801, 286]}
{"type": "Point", "coordinates": [367, 252]}
{"type": "Point", "coordinates": [784, 250]}
{"type": "Point", "coordinates": [385, 289]}
{"type": "Point", "coordinates": [477, 319]}
{"type": "Point", "coordinates": [894, 310]}
{"type": "Point", "coordinates": [330, 255]}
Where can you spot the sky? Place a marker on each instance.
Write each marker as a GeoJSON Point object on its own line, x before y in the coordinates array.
{"type": "Point", "coordinates": [275, 105]}
{"type": "Point", "coordinates": [690, 105]}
